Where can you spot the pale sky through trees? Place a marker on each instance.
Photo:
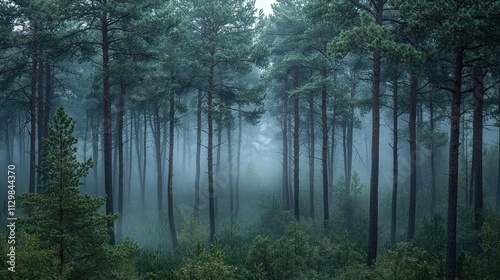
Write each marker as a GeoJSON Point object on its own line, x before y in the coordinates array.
{"type": "Point", "coordinates": [264, 5]}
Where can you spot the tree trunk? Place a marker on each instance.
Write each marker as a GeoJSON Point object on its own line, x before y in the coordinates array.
{"type": "Point", "coordinates": [311, 155]}
{"type": "Point", "coordinates": [478, 146]}
{"type": "Point", "coordinates": [432, 159]}
{"type": "Point", "coordinates": [40, 114]}
{"type": "Point", "coordinates": [238, 162]}
{"type": "Point", "coordinates": [170, 197]}
{"type": "Point", "coordinates": [211, 204]}
{"type": "Point", "coordinates": [373, 219]}
{"type": "Point", "coordinates": [324, 150]}
{"type": "Point", "coordinates": [33, 99]}
{"type": "Point", "coordinates": [451, 250]}
{"type": "Point", "coordinates": [159, 173]}
{"type": "Point", "coordinates": [108, 145]}
{"type": "Point", "coordinates": [85, 136]}
{"type": "Point", "coordinates": [296, 146]}
{"type": "Point", "coordinates": [95, 153]}
{"type": "Point", "coordinates": [217, 184]}
{"type": "Point", "coordinates": [413, 156]}
{"type": "Point", "coordinates": [332, 160]}
{"type": "Point", "coordinates": [230, 170]}
{"type": "Point", "coordinates": [286, 195]}
{"type": "Point", "coordinates": [198, 156]}
{"type": "Point", "coordinates": [121, 113]}
{"type": "Point", "coordinates": [131, 139]}
{"type": "Point", "coordinates": [394, 158]}
{"type": "Point", "coordinates": [144, 157]}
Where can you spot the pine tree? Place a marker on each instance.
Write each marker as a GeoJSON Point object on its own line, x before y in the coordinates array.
{"type": "Point", "coordinates": [62, 217]}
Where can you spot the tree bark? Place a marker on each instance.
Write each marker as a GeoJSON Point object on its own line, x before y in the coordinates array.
{"type": "Point", "coordinates": [373, 218]}
{"type": "Point", "coordinates": [296, 152]}
{"type": "Point", "coordinates": [238, 162]}
{"type": "Point", "coordinates": [121, 113]}
{"type": "Point", "coordinates": [311, 156]}
{"type": "Point", "coordinates": [170, 197]}
{"type": "Point", "coordinates": [413, 156]}
{"type": "Point", "coordinates": [95, 153]}
{"type": "Point", "coordinates": [432, 159]}
{"type": "Point", "coordinates": [451, 249]}
{"type": "Point", "coordinates": [478, 145]}
{"type": "Point", "coordinates": [394, 158]}
{"type": "Point", "coordinates": [108, 145]}
{"type": "Point", "coordinates": [198, 156]}
{"type": "Point", "coordinates": [33, 99]}
{"type": "Point", "coordinates": [286, 195]}
{"type": "Point", "coordinates": [324, 150]}
{"type": "Point", "coordinates": [211, 204]}
{"type": "Point", "coordinates": [217, 184]}
{"type": "Point", "coordinates": [230, 170]}
{"type": "Point", "coordinates": [159, 173]}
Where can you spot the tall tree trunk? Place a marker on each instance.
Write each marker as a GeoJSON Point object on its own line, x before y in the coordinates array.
{"type": "Point", "coordinates": [159, 174]}
{"type": "Point", "coordinates": [394, 158]}
{"type": "Point", "coordinates": [296, 152]}
{"type": "Point", "coordinates": [478, 145]}
{"type": "Point", "coordinates": [217, 170]}
{"type": "Point", "coordinates": [198, 156]}
{"type": "Point", "coordinates": [144, 157]}
{"type": "Point", "coordinates": [131, 139]}
{"type": "Point", "coordinates": [498, 173]}
{"type": "Point", "coordinates": [170, 197]}
{"type": "Point", "coordinates": [311, 155]}
{"type": "Point", "coordinates": [432, 159]}
{"type": "Point", "coordinates": [108, 145]}
{"type": "Point", "coordinates": [40, 113]}
{"type": "Point", "coordinates": [85, 136]}
{"type": "Point", "coordinates": [33, 100]}
{"type": "Point", "coordinates": [95, 153]}
{"type": "Point", "coordinates": [451, 249]}
{"type": "Point", "coordinates": [286, 195]}
{"type": "Point", "coordinates": [290, 161]}
{"type": "Point", "coordinates": [372, 227]}
{"type": "Point", "coordinates": [413, 156]}
{"type": "Point", "coordinates": [139, 150]}
{"type": "Point", "coordinates": [211, 204]}
{"type": "Point", "coordinates": [238, 162]}
{"type": "Point", "coordinates": [121, 113]}
{"type": "Point", "coordinates": [230, 170]}
{"type": "Point", "coordinates": [324, 150]}
{"type": "Point", "coordinates": [332, 160]}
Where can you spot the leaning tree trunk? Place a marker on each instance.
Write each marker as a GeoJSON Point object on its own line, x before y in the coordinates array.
{"type": "Point", "coordinates": [394, 158]}
{"type": "Point", "coordinates": [451, 248]}
{"type": "Point", "coordinates": [170, 175]}
{"type": "Point", "coordinates": [413, 156]}
{"type": "Point", "coordinates": [296, 152]}
{"type": "Point", "coordinates": [478, 146]}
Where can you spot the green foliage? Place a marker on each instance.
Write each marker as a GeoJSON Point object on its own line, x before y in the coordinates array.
{"type": "Point", "coordinates": [407, 261]}
{"type": "Point", "coordinates": [273, 218]}
{"type": "Point", "coordinates": [490, 246]}
{"type": "Point", "coordinates": [192, 232]}
{"type": "Point", "coordinates": [205, 263]}
{"type": "Point", "coordinates": [67, 223]}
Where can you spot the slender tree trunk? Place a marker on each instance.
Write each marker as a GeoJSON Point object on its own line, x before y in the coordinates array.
{"type": "Point", "coordinates": [324, 150]}
{"type": "Point", "coordinates": [95, 153]}
{"type": "Point", "coordinates": [433, 159]}
{"type": "Point", "coordinates": [131, 139]}
{"type": "Point", "coordinates": [332, 160]}
{"type": "Point", "coordinates": [498, 173]}
{"type": "Point", "coordinates": [230, 170]}
{"type": "Point", "coordinates": [413, 156]}
{"type": "Point", "coordinates": [286, 195]}
{"type": "Point", "coordinates": [33, 100]}
{"type": "Point", "coordinates": [296, 152]}
{"type": "Point", "coordinates": [217, 184]}
{"type": "Point", "coordinates": [85, 136]}
{"type": "Point", "coordinates": [40, 113]}
{"type": "Point", "coordinates": [290, 161]}
{"type": "Point", "coordinates": [478, 145]}
{"type": "Point", "coordinates": [170, 197]}
{"type": "Point", "coordinates": [210, 149]}
{"type": "Point", "coordinates": [159, 173]}
{"type": "Point", "coordinates": [311, 156]}
{"type": "Point", "coordinates": [394, 205]}
{"type": "Point", "coordinates": [238, 162]}
{"type": "Point", "coordinates": [373, 219]}
{"type": "Point", "coordinates": [121, 113]}
{"type": "Point", "coordinates": [139, 150]}
{"type": "Point", "coordinates": [451, 249]}
{"type": "Point", "coordinates": [144, 157]}
{"type": "Point", "coordinates": [198, 156]}
{"type": "Point", "coordinates": [108, 145]}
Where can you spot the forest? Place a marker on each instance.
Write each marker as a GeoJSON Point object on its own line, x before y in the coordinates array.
{"type": "Point", "coordinates": [213, 139]}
